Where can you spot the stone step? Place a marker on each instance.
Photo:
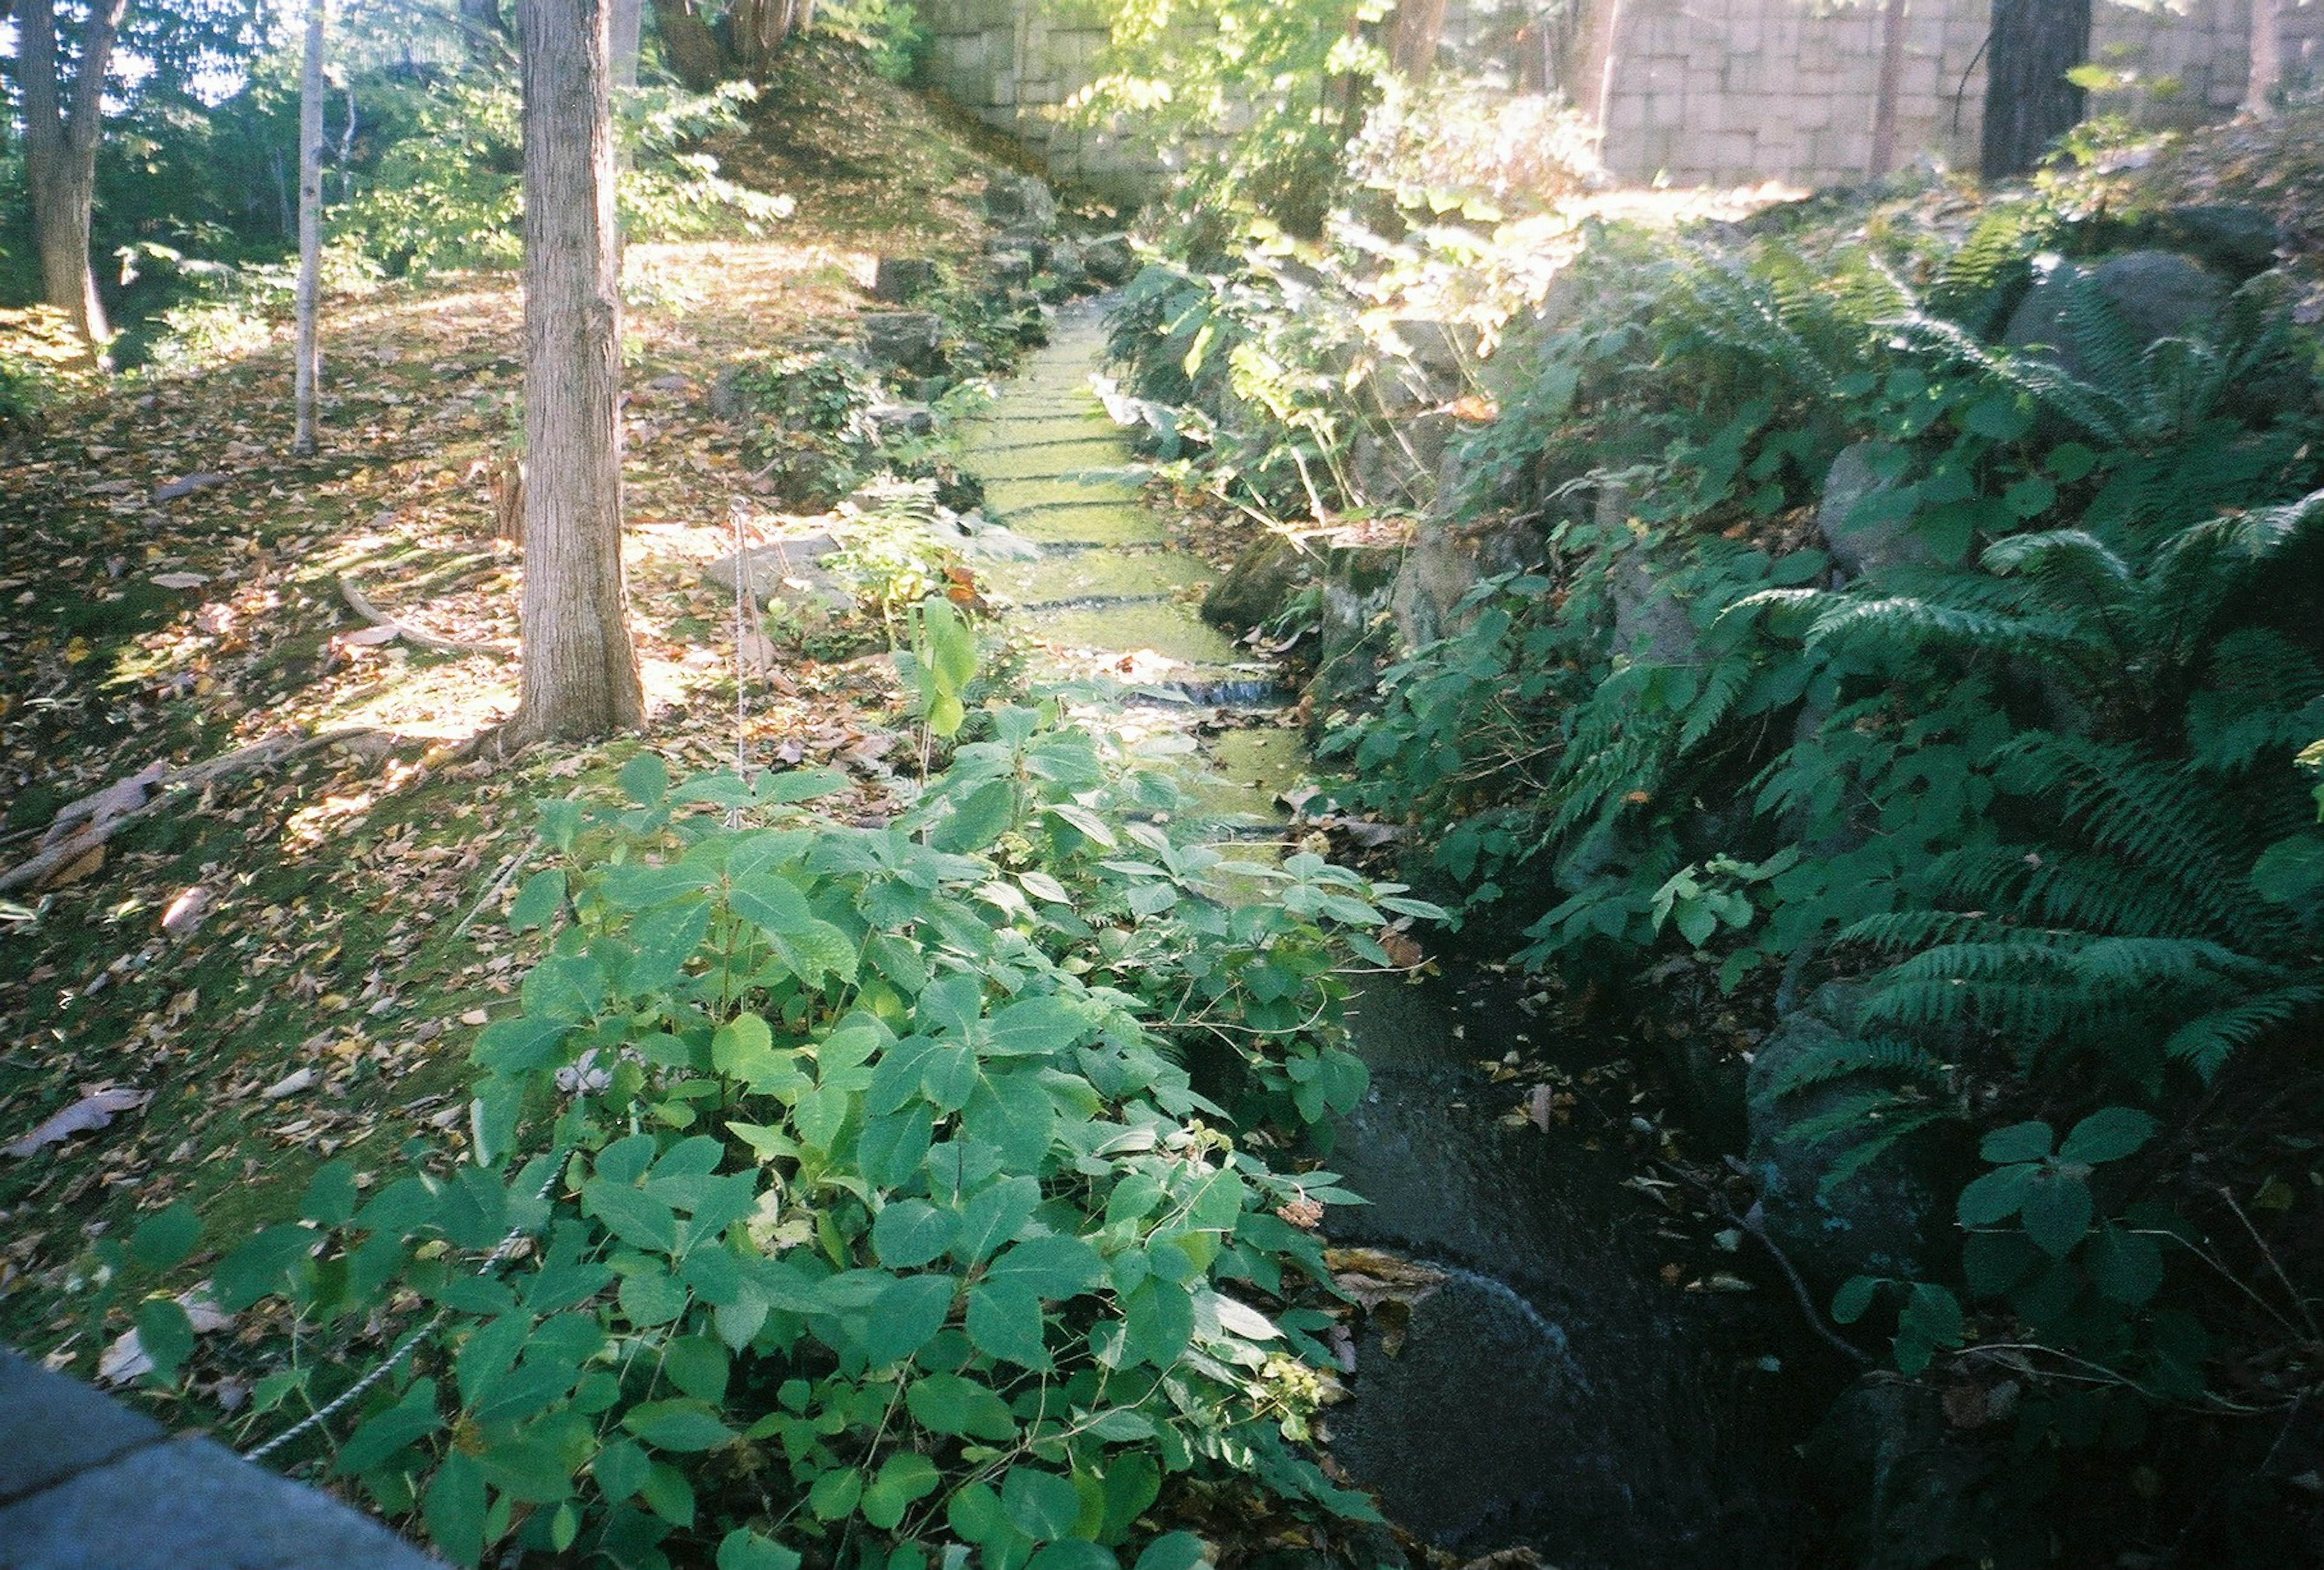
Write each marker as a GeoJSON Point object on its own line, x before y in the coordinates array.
{"type": "Point", "coordinates": [1084, 523]}
{"type": "Point", "coordinates": [1068, 577]}
{"type": "Point", "coordinates": [1167, 628]}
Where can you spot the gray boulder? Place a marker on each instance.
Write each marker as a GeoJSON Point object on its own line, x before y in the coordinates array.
{"type": "Point", "coordinates": [1011, 269]}
{"type": "Point", "coordinates": [901, 279]}
{"type": "Point", "coordinates": [1110, 259]}
{"type": "Point", "coordinates": [1650, 624]}
{"type": "Point", "coordinates": [1020, 198]}
{"type": "Point", "coordinates": [1068, 265]}
{"type": "Point", "coordinates": [2240, 241]}
{"type": "Point", "coordinates": [2153, 294]}
{"type": "Point", "coordinates": [1912, 1490]}
{"type": "Point", "coordinates": [1891, 1217]}
{"type": "Point", "coordinates": [900, 421]}
{"type": "Point", "coordinates": [786, 572]}
{"type": "Point", "coordinates": [904, 340]}
{"type": "Point", "coordinates": [1859, 540]}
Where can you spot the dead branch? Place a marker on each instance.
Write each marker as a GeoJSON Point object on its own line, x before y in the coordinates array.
{"type": "Point", "coordinates": [361, 604]}
{"type": "Point", "coordinates": [85, 825]}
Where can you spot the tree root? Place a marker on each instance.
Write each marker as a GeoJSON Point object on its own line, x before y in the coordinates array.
{"type": "Point", "coordinates": [361, 604]}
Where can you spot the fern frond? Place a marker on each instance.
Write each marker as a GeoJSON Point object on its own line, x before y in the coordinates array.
{"type": "Point", "coordinates": [2206, 1042]}
{"type": "Point", "coordinates": [1843, 1058]}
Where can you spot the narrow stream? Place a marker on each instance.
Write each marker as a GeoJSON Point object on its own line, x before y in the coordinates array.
{"type": "Point", "coordinates": [1549, 1392]}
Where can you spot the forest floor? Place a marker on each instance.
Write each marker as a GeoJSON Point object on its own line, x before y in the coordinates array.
{"type": "Point", "coordinates": [290, 962]}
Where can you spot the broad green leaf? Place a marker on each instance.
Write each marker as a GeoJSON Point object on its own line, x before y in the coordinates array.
{"type": "Point", "coordinates": [413, 1418]}
{"type": "Point", "coordinates": [2057, 1212]}
{"type": "Point", "coordinates": [834, 1495]}
{"type": "Point", "coordinates": [1998, 1193]}
{"type": "Point", "coordinates": [904, 1478]}
{"type": "Point", "coordinates": [1042, 1505]}
{"type": "Point", "coordinates": [2108, 1134]}
{"type": "Point", "coordinates": [2018, 1142]}
{"type": "Point", "coordinates": [1174, 1551]}
{"type": "Point", "coordinates": [166, 1334]}
{"type": "Point", "coordinates": [697, 1365]}
{"type": "Point", "coordinates": [1006, 1322]}
{"type": "Point", "coordinates": [1075, 1554]}
{"type": "Point", "coordinates": [539, 901]}
{"type": "Point", "coordinates": [1048, 1267]}
{"type": "Point", "coordinates": [744, 1549]}
{"type": "Point", "coordinates": [645, 779]}
{"type": "Point", "coordinates": [620, 1469]}
{"type": "Point", "coordinates": [170, 1235]}
{"type": "Point", "coordinates": [1854, 1296]}
{"type": "Point", "coordinates": [910, 1233]}
{"type": "Point", "coordinates": [681, 1426]}
{"type": "Point", "coordinates": [995, 1216]}
{"type": "Point", "coordinates": [454, 1509]}
{"type": "Point", "coordinates": [949, 1403]}
{"type": "Point", "coordinates": [1034, 1026]}
{"type": "Point", "coordinates": [907, 1317]}
{"type": "Point", "coordinates": [631, 1215]}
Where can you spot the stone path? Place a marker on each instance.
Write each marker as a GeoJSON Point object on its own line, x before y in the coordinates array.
{"type": "Point", "coordinates": [1107, 589]}
{"type": "Point", "coordinates": [87, 1484]}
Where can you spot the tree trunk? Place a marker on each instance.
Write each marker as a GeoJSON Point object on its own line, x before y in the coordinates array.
{"type": "Point", "coordinates": [2028, 101]}
{"type": "Point", "coordinates": [580, 672]}
{"type": "Point", "coordinates": [1591, 86]}
{"type": "Point", "coordinates": [1419, 29]}
{"type": "Point", "coordinates": [308, 375]}
{"type": "Point", "coordinates": [693, 51]}
{"type": "Point", "coordinates": [629, 21]}
{"type": "Point", "coordinates": [756, 29]}
{"type": "Point", "coordinates": [60, 155]}
{"type": "Point", "coordinates": [2266, 60]}
{"type": "Point", "coordinates": [1884, 94]}
{"type": "Point", "coordinates": [484, 31]}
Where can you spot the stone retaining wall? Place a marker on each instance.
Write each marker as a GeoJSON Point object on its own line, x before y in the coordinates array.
{"type": "Point", "coordinates": [1705, 92]}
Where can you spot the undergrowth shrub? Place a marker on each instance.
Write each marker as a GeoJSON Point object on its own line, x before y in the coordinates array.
{"type": "Point", "coordinates": [880, 1197]}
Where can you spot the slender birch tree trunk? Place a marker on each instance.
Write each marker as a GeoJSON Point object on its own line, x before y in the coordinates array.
{"type": "Point", "coordinates": [580, 672]}
{"type": "Point", "coordinates": [307, 376]}
{"type": "Point", "coordinates": [61, 137]}
{"type": "Point", "coordinates": [2266, 60]}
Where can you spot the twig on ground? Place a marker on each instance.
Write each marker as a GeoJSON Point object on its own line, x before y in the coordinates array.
{"type": "Point", "coordinates": [361, 604]}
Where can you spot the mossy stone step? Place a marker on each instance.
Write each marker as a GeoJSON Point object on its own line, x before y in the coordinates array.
{"type": "Point", "coordinates": [1167, 627]}
{"type": "Point", "coordinates": [1006, 497]}
{"type": "Point", "coordinates": [1088, 575]}
{"type": "Point", "coordinates": [1090, 523]}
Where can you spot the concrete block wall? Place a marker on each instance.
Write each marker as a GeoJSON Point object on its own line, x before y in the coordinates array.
{"type": "Point", "coordinates": [1706, 92]}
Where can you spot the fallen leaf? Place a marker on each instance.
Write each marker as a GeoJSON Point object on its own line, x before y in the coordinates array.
{"type": "Point", "coordinates": [186, 911]}
{"type": "Point", "coordinates": [92, 1110]}
{"type": "Point", "coordinates": [291, 1083]}
{"type": "Point", "coordinates": [179, 580]}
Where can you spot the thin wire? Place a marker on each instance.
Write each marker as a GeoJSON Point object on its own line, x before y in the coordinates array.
{"type": "Point", "coordinates": [405, 1347]}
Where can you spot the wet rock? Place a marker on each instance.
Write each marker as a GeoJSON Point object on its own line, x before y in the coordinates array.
{"type": "Point", "coordinates": [2151, 294]}
{"type": "Point", "coordinates": [1068, 266]}
{"type": "Point", "coordinates": [1849, 519]}
{"type": "Point", "coordinates": [1013, 200]}
{"type": "Point", "coordinates": [906, 340]}
{"type": "Point", "coordinates": [1260, 585]}
{"type": "Point", "coordinates": [900, 280]}
{"type": "Point", "coordinates": [786, 572]}
{"type": "Point", "coordinates": [1892, 1217]}
{"type": "Point", "coordinates": [1110, 259]}
{"type": "Point", "coordinates": [1034, 242]}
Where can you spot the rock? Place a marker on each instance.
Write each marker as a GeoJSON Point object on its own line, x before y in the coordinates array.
{"type": "Point", "coordinates": [1860, 540]}
{"type": "Point", "coordinates": [1260, 585]}
{"type": "Point", "coordinates": [1359, 628]}
{"type": "Point", "coordinates": [1650, 624]}
{"type": "Point", "coordinates": [1110, 259]}
{"type": "Point", "coordinates": [788, 572]}
{"type": "Point", "coordinates": [1892, 1218]}
{"type": "Point", "coordinates": [1445, 563]}
{"type": "Point", "coordinates": [977, 535]}
{"type": "Point", "coordinates": [901, 279]}
{"type": "Point", "coordinates": [907, 340]}
{"type": "Point", "coordinates": [1011, 269]}
{"type": "Point", "coordinates": [1032, 242]}
{"type": "Point", "coordinates": [2239, 241]}
{"type": "Point", "coordinates": [1067, 265]}
{"type": "Point", "coordinates": [899, 421]}
{"type": "Point", "coordinates": [1020, 198]}
{"type": "Point", "coordinates": [2155, 294]}
{"type": "Point", "coordinates": [1912, 1492]}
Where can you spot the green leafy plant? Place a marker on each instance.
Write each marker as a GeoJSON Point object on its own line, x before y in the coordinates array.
{"type": "Point", "coordinates": [844, 1187]}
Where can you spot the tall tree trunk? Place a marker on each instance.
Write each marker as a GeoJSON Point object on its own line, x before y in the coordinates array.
{"type": "Point", "coordinates": [1591, 88]}
{"type": "Point", "coordinates": [308, 372]}
{"type": "Point", "coordinates": [693, 51]}
{"type": "Point", "coordinates": [580, 672]}
{"type": "Point", "coordinates": [2266, 60]}
{"type": "Point", "coordinates": [1419, 29]}
{"type": "Point", "coordinates": [629, 21]}
{"type": "Point", "coordinates": [60, 138]}
{"type": "Point", "coordinates": [1884, 92]}
{"type": "Point", "coordinates": [2028, 101]}
{"type": "Point", "coordinates": [756, 29]}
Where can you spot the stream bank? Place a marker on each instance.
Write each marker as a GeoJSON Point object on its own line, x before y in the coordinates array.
{"type": "Point", "coordinates": [1529, 1382]}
